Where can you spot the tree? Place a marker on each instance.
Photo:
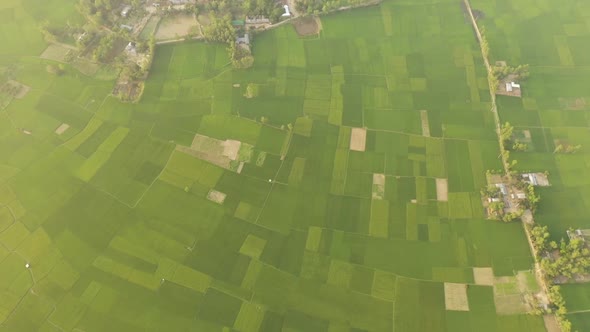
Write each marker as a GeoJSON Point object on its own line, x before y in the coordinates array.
{"type": "Point", "coordinates": [540, 237]}
{"type": "Point", "coordinates": [558, 149]}
{"type": "Point", "coordinates": [573, 148]}
{"type": "Point", "coordinates": [532, 198]}
{"type": "Point", "coordinates": [518, 146]}
{"type": "Point", "coordinates": [220, 30]}
{"type": "Point", "coordinates": [506, 132]}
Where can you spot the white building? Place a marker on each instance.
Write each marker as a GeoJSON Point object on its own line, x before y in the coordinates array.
{"type": "Point", "coordinates": [511, 86]}
{"type": "Point", "coordinates": [287, 12]}
{"type": "Point", "coordinates": [125, 11]}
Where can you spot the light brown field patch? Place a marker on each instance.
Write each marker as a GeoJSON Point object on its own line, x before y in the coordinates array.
{"type": "Point", "coordinates": [456, 297]}
{"type": "Point", "coordinates": [510, 304]}
{"type": "Point", "coordinates": [551, 324]}
{"type": "Point", "coordinates": [378, 186]}
{"type": "Point", "coordinates": [62, 128]}
{"type": "Point", "coordinates": [15, 89]}
{"type": "Point", "coordinates": [425, 123]}
{"type": "Point", "coordinates": [229, 154]}
{"type": "Point", "coordinates": [358, 139]}
{"type": "Point", "coordinates": [55, 52]}
{"type": "Point", "coordinates": [231, 148]}
{"type": "Point", "coordinates": [176, 26]}
{"type": "Point", "coordinates": [442, 190]}
{"type": "Point", "coordinates": [307, 26]}
{"type": "Point", "coordinates": [483, 276]}
{"type": "Point", "coordinates": [216, 196]}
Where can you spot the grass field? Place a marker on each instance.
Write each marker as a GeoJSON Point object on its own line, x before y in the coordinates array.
{"type": "Point", "coordinates": [553, 38]}
{"type": "Point", "coordinates": [116, 225]}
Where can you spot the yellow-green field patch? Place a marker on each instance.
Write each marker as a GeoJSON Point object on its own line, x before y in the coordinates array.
{"type": "Point", "coordinates": [314, 237]}
{"type": "Point", "coordinates": [379, 223]}
{"type": "Point", "coordinates": [253, 246]}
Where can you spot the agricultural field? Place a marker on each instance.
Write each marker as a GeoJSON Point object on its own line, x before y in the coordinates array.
{"type": "Point", "coordinates": [553, 37]}
{"type": "Point", "coordinates": [333, 186]}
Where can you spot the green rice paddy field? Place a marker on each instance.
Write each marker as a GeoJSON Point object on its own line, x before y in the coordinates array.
{"type": "Point", "coordinates": [554, 38]}
{"type": "Point", "coordinates": [120, 235]}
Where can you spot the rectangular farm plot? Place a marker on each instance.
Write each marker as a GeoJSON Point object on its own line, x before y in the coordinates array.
{"type": "Point", "coordinates": [379, 223]}
{"type": "Point", "coordinates": [442, 190]}
{"type": "Point", "coordinates": [483, 276]}
{"type": "Point", "coordinates": [425, 124]}
{"type": "Point", "coordinates": [456, 297]}
{"type": "Point", "coordinates": [314, 238]}
{"type": "Point", "coordinates": [102, 154]}
{"type": "Point", "coordinates": [297, 171]}
{"type": "Point", "coordinates": [253, 246]}
{"type": "Point", "coordinates": [250, 317]}
{"type": "Point", "coordinates": [339, 172]}
{"type": "Point", "coordinates": [194, 169]}
{"type": "Point", "coordinates": [247, 212]}
{"type": "Point", "coordinates": [378, 186]}
{"type": "Point", "coordinates": [358, 139]}
{"type": "Point", "coordinates": [340, 273]}
{"type": "Point", "coordinates": [383, 285]}
{"type": "Point", "coordinates": [191, 278]}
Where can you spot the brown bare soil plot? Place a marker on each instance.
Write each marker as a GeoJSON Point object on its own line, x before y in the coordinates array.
{"type": "Point", "coordinates": [378, 186]}
{"type": "Point", "coordinates": [175, 26]}
{"type": "Point", "coordinates": [456, 297]}
{"type": "Point", "coordinates": [62, 128]}
{"type": "Point", "coordinates": [442, 190]}
{"type": "Point", "coordinates": [307, 26]}
{"type": "Point", "coordinates": [55, 52]}
{"type": "Point", "coordinates": [216, 196]}
{"type": "Point", "coordinates": [358, 139]}
{"type": "Point", "coordinates": [551, 323]}
{"type": "Point", "coordinates": [483, 276]}
{"type": "Point", "coordinates": [425, 124]}
{"type": "Point", "coordinates": [14, 89]}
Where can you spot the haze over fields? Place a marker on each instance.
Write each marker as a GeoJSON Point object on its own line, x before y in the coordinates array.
{"type": "Point", "coordinates": [347, 165]}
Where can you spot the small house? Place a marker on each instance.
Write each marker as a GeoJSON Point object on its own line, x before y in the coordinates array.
{"type": "Point", "coordinates": [131, 49]}
{"type": "Point", "coordinates": [125, 11]}
{"type": "Point", "coordinates": [502, 188]}
{"type": "Point", "coordinates": [257, 20]}
{"type": "Point", "coordinates": [238, 23]}
{"type": "Point", "coordinates": [511, 86]}
{"type": "Point", "coordinates": [245, 40]}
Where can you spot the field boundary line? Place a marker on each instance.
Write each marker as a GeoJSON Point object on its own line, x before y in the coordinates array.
{"type": "Point", "coordinates": [155, 179]}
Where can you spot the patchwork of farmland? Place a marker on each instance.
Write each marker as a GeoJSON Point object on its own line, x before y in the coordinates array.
{"type": "Point", "coordinates": [334, 186]}
{"type": "Point", "coordinates": [554, 38]}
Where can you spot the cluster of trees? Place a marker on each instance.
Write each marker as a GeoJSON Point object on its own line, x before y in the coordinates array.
{"type": "Point", "coordinates": [521, 72]}
{"type": "Point", "coordinates": [240, 56]}
{"type": "Point", "coordinates": [508, 140]}
{"type": "Point", "coordinates": [221, 30]}
{"type": "Point", "coordinates": [323, 6]}
{"type": "Point", "coordinates": [560, 310]}
{"type": "Point", "coordinates": [568, 149]}
{"type": "Point", "coordinates": [270, 9]}
{"type": "Point", "coordinates": [574, 257]}
{"type": "Point", "coordinates": [104, 47]}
